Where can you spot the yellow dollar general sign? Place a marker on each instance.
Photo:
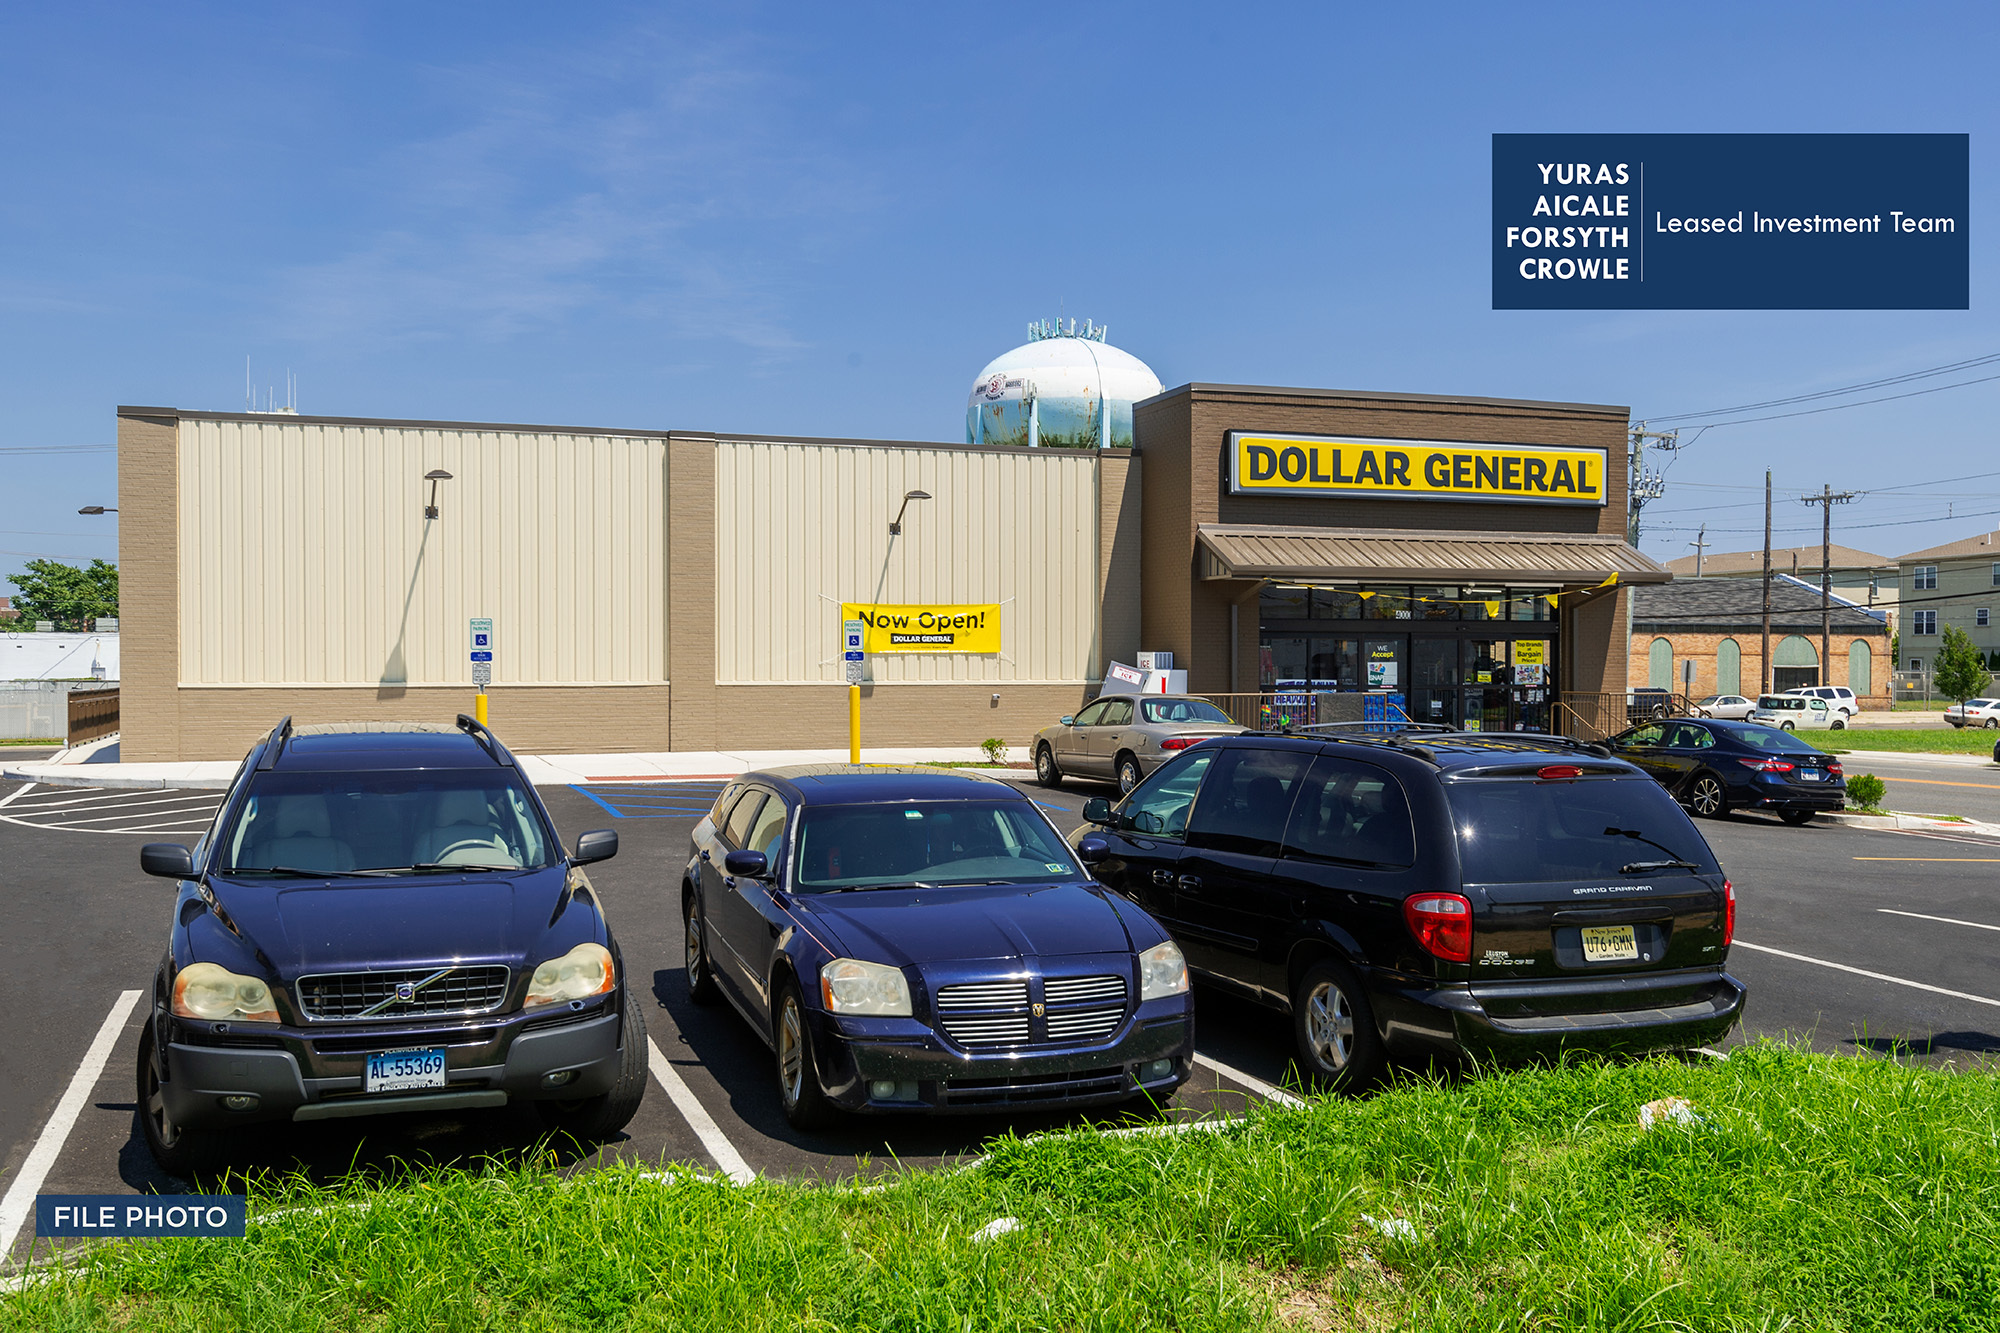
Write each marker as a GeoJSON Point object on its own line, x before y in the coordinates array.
{"type": "Point", "coordinates": [1422, 469]}
{"type": "Point", "coordinates": [926, 627]}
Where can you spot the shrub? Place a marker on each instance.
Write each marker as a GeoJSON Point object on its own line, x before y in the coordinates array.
{"type": "Point", "coordinates": [1866, 790]}
{"type": "Point", "coordinates": [996, 749]}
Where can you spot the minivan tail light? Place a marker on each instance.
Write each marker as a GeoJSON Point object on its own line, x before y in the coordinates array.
{"type": "Point", "coordinates": [1556, 771]}
{"type": "Point", "coordinates": [1442, 923]}
{"type": "Point", "coordinates": [1728, 913]}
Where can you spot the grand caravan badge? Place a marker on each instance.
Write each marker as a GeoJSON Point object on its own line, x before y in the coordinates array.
{"type": "Point", "coordinates": [1414, 469]}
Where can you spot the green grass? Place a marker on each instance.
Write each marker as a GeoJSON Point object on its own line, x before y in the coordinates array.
{"type": "Point", "coordinates": [1942, 741]}
{"type": "Point", "coordinates": [1815, 1193]}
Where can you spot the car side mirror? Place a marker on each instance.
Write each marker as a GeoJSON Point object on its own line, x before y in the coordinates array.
{"type": "Point", "coordinates": [169, 860]}
{"type": "Point", "coordinates": [1069, 719]}
{"type": "Point", "coordinates": [1092, 850]}
{"type": "Point", "coordinates": [748, 865]}
{"type": "Point", "coordinates": [596, 845]}
{"type": "Point", "coordinates": [1097, 810]}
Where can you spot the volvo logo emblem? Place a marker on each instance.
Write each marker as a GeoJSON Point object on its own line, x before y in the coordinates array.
{"type": "Point", "coordinates": [406, 991]}
{"type": "Point", "coordinates": [1038, 1009]}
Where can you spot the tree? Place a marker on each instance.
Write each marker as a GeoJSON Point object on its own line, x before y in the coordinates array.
{"type": "Point", "coordinates": [1959, 670]}
{"type": "Point", "coordinates": [65, 595]}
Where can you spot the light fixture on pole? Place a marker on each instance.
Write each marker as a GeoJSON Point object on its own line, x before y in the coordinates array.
{"type": "Point", "coordinates": [434, 476]}
{"type": "Point", "coordinates": [98, 509]}
{"type": "Point", "coordinates": [896, 525]}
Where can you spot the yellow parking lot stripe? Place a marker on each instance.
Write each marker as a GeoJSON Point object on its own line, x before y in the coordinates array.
{"type": "Point", "coordinates": [1941, 782]}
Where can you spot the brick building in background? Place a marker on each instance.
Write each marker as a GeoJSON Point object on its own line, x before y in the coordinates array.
{"type": "Point", "coordinates": [1717, 624]}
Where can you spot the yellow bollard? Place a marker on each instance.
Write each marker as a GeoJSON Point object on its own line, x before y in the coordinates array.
{"type": "Point", "coordinates": [479, 708]}
{"type": "Point", "coordinates": [853, 724]}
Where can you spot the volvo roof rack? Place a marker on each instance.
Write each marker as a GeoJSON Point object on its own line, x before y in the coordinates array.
{"type": "Point", "coordinates": [476, 729]}
{"type": "Point", "coordinates": [274, 743]}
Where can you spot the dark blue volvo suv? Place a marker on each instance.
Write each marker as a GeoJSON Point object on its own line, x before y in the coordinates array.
{"type": "Point", "coordinates": [381, 919]}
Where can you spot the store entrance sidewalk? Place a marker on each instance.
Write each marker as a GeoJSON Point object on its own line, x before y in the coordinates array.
{"type": "Point", "coordinates": [98, 765]}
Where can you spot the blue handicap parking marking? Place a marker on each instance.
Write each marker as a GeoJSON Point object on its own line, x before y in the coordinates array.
{"type": "Point", "coordinates": [652, 800]}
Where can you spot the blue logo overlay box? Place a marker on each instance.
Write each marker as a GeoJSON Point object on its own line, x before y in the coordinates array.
{"type": "Point", "coordinates": [110, 1215]}
{"type": "Point", "coordinates": [1731, 221]}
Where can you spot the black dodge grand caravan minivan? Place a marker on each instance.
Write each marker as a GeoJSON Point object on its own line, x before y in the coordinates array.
{"type": "Point", "coordinates": [1430, 894]}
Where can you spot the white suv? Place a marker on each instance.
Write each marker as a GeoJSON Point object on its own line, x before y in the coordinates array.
{"type": "Point", "coordinates": [1838, 697]}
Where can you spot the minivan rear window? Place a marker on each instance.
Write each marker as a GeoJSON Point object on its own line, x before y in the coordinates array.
{"type": "Point", "coordinates": [1523, 832]}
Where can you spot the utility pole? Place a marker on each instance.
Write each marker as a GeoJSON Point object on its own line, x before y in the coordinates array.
{"type": "Point", "coordinates": [1765, 688]}
{"type": "Point", "coordinates": [1699, 543]}
{"type": "Point", "coordinates": [1642, 486]}
{"type": "Point", "coordinates": [1826, 500]}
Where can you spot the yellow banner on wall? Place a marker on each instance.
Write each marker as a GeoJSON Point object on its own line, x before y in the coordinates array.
{"type": "Point", "coordinates": [1414, 469]}
{"type": "Point", "coordinates": [926, 627]}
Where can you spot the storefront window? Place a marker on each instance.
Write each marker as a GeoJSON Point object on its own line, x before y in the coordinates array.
{"type": "Point", "coordinates": [1527, 604]}
{"type": "Point", "coordinates": [1275, 603]}
{"type": "Point", "coordinates": [1482, 603]}
{"type": "Point", "coordinates": [1336, 604]}
{"type": "Point", "coordinates": [1388, 603]}
{"type": "Point", "coordinates": [1437, 603]}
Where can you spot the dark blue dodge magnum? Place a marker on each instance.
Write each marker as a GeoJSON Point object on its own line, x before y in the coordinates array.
{"type": "Point", "coordinates": [381, 919]}
{"type": "Point", "coordinates": [915, 940]}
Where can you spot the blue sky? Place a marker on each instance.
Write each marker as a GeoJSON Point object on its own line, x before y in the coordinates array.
{"type": "Point", "coordinates": [825, 219]}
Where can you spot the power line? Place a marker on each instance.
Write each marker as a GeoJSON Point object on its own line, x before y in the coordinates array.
{"type": "Point", "coordinates": [1839, 407]}
{"type": "Point", "coordinates": [1835, 393]}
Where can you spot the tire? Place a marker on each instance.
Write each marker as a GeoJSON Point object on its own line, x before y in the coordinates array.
{"type": "Point", "coordinates": [1786, 726]}
{"type": "Point", "coordinates": [694, 951]}
{"type": "Point", "coordinates": [1130, 774]}
{"type": "Point", "coordinates": [1796, 818]}
{"type": "Point", "coordinates": [1334, 1029]}
{"type": "Point", "coordinates": [799, 1091]}
{"type": "Point", "coordinates": [1707, 797]}
{"type": "Point", "coordinates": [594, 1119]}
{"type": "Point", "coordinates": [1993, 724]}
{"type": "Point", "coordinates": [183, 1152]}
{"type": "Point", "coordinates": [1660, 711]}
{"type": "Point", "coordinates": [1838, 725]}
{"type": "Point", "coordinates": [1046, 772]}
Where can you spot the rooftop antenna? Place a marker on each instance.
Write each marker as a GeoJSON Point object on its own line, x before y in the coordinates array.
{"type": "Point", "coordinates": [249, 394]}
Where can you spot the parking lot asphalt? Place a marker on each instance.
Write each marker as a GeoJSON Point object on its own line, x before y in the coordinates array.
{"type": "Point", "coordinates": [1966, 785]}
{"type": "Point", "coordinates": [1857, 941]}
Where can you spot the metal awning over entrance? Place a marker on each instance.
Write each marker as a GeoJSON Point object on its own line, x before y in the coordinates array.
{"type": "Point", "coordinates": [1390, 555]}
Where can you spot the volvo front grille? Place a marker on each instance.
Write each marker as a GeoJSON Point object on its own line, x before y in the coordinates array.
{"type": "Point", "coordinates": [403, 992]}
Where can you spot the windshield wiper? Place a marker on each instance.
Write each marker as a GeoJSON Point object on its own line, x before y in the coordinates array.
{"type": "Point", "coordinates": [297, 873]}
{"type": "Point", "coordinates": [1640, 867]}
{"type": "Point", "coordinates": [1634, 834]}
{"type": "Point", "coordinates": [430, 867]}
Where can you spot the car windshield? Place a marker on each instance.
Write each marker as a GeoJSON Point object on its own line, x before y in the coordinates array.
{"type": "Point", "coordinates": [1523, 832]}
{"type": "Point", "coordinates": [1181, 710]}
{"type": "Point", "coordinates": [357, 822]}
{"type": "Point", "coordinates": [886, 845]}
{"type": "Point", "coordinates": [1768, 738]}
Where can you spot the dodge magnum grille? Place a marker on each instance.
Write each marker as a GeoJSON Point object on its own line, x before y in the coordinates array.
{"type": "Point", "coordinates": [998, 1013]}
{"type": "Point", "coordinates": [435, 990]}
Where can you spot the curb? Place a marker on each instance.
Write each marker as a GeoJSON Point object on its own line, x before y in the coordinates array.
{"type": "Point", "coordinates": [1920, 822]}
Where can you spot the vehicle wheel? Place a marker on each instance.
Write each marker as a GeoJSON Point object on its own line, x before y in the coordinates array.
{"type": "Point", "coordinates": [1707, 797]}
{"type": "Point", "coordinates": [1785, 726]}
{"type": "Point", "coordinates": [1046, 771]}
{"type": "Point", "coordinates": [1838, 725]}
{"type": "Point", "coordinates": [1796, 817]}
{"type": "Point", "coordinates": [701, 980]}
{"type": "Point", "coordinates": [1993, 724]}
{"type": "Point", "coordinates": [180, 1151]}
{"type": "Point", "coordinates": [1129, 775]}
{"type": "Point", "coordinates": [1661, 711]}
{"type": "Point", "coordinates": [593, 1119]}
{"type": "Point", "coordinates": [799, 1091]}
{"type": "Point", "coordinates": [1335, 1029]}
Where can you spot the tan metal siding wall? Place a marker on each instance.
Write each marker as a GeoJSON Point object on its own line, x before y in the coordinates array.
{"type": "Point", "coordinates": [801, 527]}
{"type": "Point", "coordinates": [305, 558]}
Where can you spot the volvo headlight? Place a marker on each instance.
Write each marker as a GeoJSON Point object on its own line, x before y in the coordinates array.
{"type": "Point", "coordinates": [211, 991]}
{"type": "Point", "coordinates": [584, 971]}
{"type": "Point", "coordinates": [1162, 972]}
{"type": "Point", "coordinates": [851, 986]}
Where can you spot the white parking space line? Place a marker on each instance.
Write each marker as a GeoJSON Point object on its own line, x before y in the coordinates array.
{"type": "Point", "coordinates": [17, 793]}
{"type": "Point", "coordinates": [1948, 920]}
{"type": "Point", "coordinates": [179, 814]}
{"type": "Point", "coordinates": [121, 801]}
{"type": "Point", "coordinates": [1268, 1091]}
{"type": "Point", "coordinates": [704, 1126]}
{"type": "Point", "coordinates": [1872, 976]}
{"type": "Point", "coordinates": [20, 1198]}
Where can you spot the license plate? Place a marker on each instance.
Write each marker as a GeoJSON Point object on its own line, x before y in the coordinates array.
{"type": "Point", "coordinates": [1608, 944]}
{"type": "Point", "coordinates": [398, 1071]}
{"type": "Point", "coordinates": [1808, 775]}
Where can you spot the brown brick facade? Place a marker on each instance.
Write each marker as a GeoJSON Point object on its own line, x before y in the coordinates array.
{"type": "Point", "coordinates": [1703, 646]}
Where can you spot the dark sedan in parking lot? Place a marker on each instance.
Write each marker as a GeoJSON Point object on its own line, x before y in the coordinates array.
{"type": "Point", "coordinates": [909, 939]}
{"type": "Point", "coordinates": [1713, 767]}
{"type": "Point", "coordinates": [1431, 894]}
